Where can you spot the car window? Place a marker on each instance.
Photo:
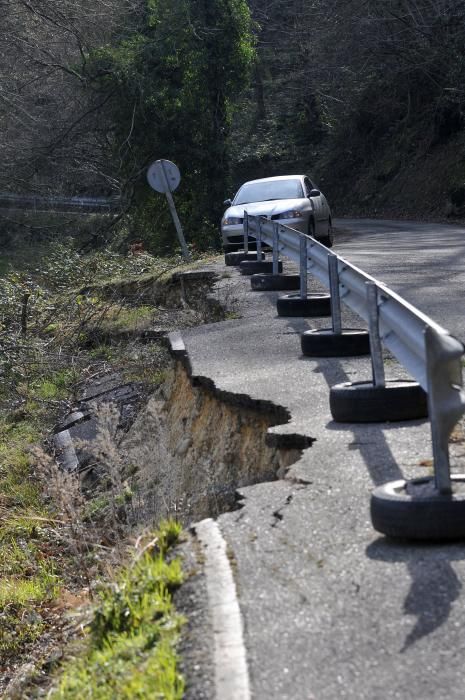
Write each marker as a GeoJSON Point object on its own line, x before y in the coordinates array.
{"type": "Point", "coordinates": [308, 186]}
{"type": "Point", "coordinates": [272, 189]}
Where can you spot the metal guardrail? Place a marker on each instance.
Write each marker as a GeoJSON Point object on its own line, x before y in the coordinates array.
{"type": "Point", "coordinates": [11, 201]}
{"type": "Point", "coordinates": [427, 351]}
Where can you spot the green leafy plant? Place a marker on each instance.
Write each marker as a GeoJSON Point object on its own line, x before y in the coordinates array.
{"type": "Point", "coordinates": [172, 80]}
{"type": "Point", "coordinates": [28, 578]}
{"type": "Point", "coordinates": [131, 647]}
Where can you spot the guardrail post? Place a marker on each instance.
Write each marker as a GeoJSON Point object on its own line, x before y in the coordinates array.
{"type": "Point", "coordinates": [275, 248]}
{"type": "Point", "coordinates": [376, 349]}
{"type": "Point", "coordinates": [259, 238]}
{"type": "Point", "coordinates": [246, 232]}
{"type": "Point", "coordinates": [335, 295]}
{"type": "Point", "coordinates": [303, 266]}
{"type": "Point", "coordinates": [446, 399]}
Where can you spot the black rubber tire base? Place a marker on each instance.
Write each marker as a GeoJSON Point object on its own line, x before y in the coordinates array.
{"type": "Point", "coordinates": [253, 267]}
{"type": "Point", "coordinates": [269, 282]}
{"type": "Point", "coordinates": [399, 509]}
{"type": "Point", "coordinates": [235, 259]}
{"type": "Point", "coordinates": [238, 247]}
{"type": "Point", "coordinates": [315, 305]}
{"type": "Point", "coordinates": [323, 342]}
{"type": "Point", "coordinates": [362, 402]}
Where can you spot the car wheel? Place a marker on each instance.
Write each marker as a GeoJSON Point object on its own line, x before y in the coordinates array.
{"type": "Point", "coordinates": [328, 240]}
{"type": "Point", "coordinates": [415, 510]}
{"type": "Point", "coordinates": [311, 228]}
{"type": "Point", "coordinates": [323, 342]}
{"type": "Point", "coordinates": [362, 402]}
{"type": "Point", "coordinates": [313, 305]}
{"type": "Point", "coordinates": [232, 247]}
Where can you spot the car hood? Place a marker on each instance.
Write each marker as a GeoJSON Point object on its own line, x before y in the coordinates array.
{"type": "Point", "coordinates": [276, 206]}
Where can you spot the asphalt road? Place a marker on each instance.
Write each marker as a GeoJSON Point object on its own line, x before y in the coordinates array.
{"type": "Point", "coordinates": [425, 263]}
{"type": "Point", "coordinates": [331, 609]}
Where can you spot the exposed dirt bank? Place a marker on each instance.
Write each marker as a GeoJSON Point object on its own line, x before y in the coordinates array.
{"type": "Point", "coordinates": [195, 448]}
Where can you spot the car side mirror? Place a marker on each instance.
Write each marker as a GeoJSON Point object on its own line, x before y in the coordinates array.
{"type": "Point", "coordinates": [227, 202]}
{"type": "Point", "coordinates": [314, 193]}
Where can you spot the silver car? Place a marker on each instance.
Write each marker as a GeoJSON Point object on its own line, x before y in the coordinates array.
{"type": "Point", "coordinates": [293, 200]}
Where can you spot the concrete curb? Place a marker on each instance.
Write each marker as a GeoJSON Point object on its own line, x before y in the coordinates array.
{"type": "Point", "coordinates": [231, 673]}
{"type": "Point", "coordinates": [177, 344]}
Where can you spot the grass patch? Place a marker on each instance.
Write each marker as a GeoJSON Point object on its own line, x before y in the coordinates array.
{"type": "Point", "coordinates": [146, 367]}
{"type": "Point", "coordinates": [121, 319]}
{"type": "Point", "coordinates": [17, 488]}
{"type": "Point", "coordinates": [27, 575]}
{"type": "Point", "coordinates": [19, 592]}
{"type": "Point", "coordinates": [131, 648]}
{"type": "Point", "coordinates": [55, 386]}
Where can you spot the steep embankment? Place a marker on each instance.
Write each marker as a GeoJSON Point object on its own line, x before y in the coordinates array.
{"type": "Point", "coordinates": [404, 177]}
{"type": "Point", "coordinates": [195, 447]}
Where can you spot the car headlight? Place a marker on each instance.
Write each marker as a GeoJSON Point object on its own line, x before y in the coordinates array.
{"type": "Point", "coordinates": [230, 220]}
{"type": "Point", "coordinates": [292, 214]}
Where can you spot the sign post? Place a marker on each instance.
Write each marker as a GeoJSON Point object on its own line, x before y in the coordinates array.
{"type": "Point", "coordinates": [164, 176]}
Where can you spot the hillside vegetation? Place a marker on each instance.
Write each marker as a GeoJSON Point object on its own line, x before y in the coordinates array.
{"type": "Point", "coordinates": [366, 96]}
{"type": "Point", "coordinates": [85, 590]}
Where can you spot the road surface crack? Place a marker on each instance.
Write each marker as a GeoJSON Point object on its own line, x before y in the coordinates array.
{"type": "Point", "coordinates": [277, 514]}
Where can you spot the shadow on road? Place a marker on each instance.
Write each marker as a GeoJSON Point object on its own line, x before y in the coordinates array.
{"type": "Point", "coordinates": [435, 585]}
{"type": "Point", "coordinates": [368, 438]}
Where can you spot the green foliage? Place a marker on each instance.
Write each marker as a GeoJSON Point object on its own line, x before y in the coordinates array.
{"type": "Point", "coordinates": [119, 319]}
{"type": "Point", "coordinates": [168, 534]}
{"type": "Point", "coordinates": [17, 488]}
{"type": "Point", "coordinates": [131, 651]}
{"type": "Point", "coordinates": [20, 627]}
{"type": "Point", "coordinates": [135, 627]}
{"type": "Point", "coordinates": [65, 267]}
{"type": "Point", "coordinates": [55, 386]}
{"type": "Point", "coordinates": [140, 598]}
{"type": "Point", "coordinates": [356, 93]}
{"type": "Point", "coordinates": [175, 77]}
{"type": "Point", "coordinates": [27, 575]}
{"type": "Point", "coordinates": [42, 311]}
{"type": "Point", "coordinates": [19, 592]}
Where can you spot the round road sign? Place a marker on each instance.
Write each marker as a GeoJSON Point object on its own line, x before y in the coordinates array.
{"type": "Point", "coordinates": [163, 176]}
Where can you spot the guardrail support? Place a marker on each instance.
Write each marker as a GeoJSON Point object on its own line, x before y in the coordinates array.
{"type": "Point", "coordinates": [446, 399]}
{"type": "Point", "coordinates": [246, 232]}
{"type": "Point", "coordinates": [275, 248]}
{"type": "Point", "coordinates": [376, 349]}
{"type": "Point", "coordinates": [335, 296]}
{"type": "Point", "coordinates": [428, 508]}
{"type": "Point", "coordinates": [303, 267]}
{"type": "Point", "coordinates": [424, 508]}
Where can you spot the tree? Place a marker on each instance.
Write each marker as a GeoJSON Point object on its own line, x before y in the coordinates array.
{"type": "Point", "coordinates": [171, 80]}
{"type": "Point", "coordinates": [49, 140]}
{"type": "Point", "coordinates": [339, 81]}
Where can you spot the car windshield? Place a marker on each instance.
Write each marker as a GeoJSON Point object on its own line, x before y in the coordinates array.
{"type": "Point", "coordinates": [269, 190]}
